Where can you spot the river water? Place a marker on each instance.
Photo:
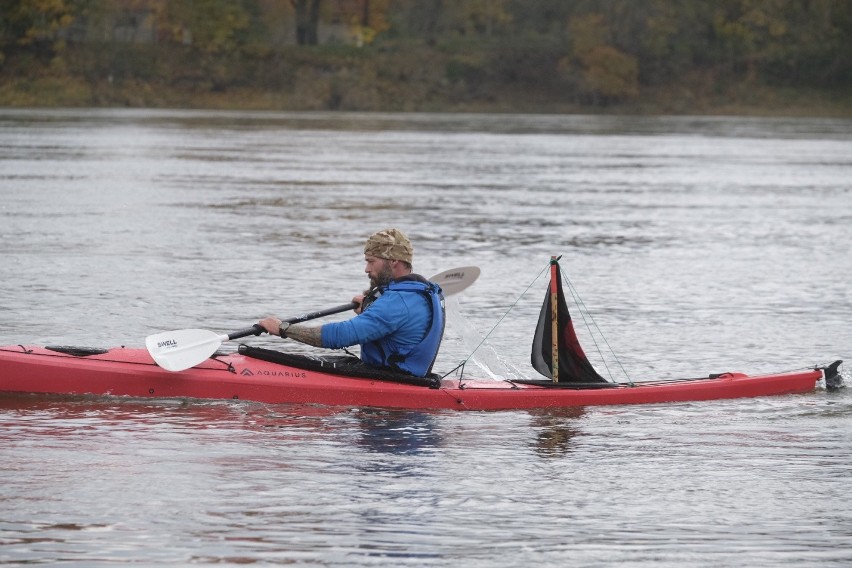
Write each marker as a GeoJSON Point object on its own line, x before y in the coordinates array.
{"type": "Point", "coordinates": [699, 245]}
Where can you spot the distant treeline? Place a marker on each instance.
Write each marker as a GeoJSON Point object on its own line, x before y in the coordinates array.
{"type": "Point", "coordinates": [417, 54]}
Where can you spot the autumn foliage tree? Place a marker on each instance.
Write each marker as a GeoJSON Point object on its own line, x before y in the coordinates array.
{"type": "Point", "coordinates": [590, 51]}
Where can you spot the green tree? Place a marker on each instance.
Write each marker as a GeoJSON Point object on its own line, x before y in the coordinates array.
{"type": "Point", "coordinates": [787, 41]}
{"type": "Point", "coordinates": [211, 26]}
{"type": "Point", "coordinates": [607, 73]}
{"type": "Point", "coordinates": [421, 20]}
{"type": "Point", "coordinates": [25, 22]}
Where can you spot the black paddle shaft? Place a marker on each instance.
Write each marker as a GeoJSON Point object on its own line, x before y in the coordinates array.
{"type": "Point", "coordinates": [322, 313]}
{"type": "Point", "coordinates": [257, 329]}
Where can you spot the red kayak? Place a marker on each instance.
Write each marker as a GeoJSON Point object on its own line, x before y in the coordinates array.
{"type": "Point", "coordinates": [250, 375]}
{"type": "Point", "coordinates": [186, 364]}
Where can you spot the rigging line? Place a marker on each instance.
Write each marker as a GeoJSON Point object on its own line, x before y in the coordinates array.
{"type": "Point", "coordinates": [515, 303]}
{"type": "Point", "coordinates": [585, 311]}
{"type": "Point", "coordinates": [579, 302]}
{"type": "Point", "coordinates": [454, 369]}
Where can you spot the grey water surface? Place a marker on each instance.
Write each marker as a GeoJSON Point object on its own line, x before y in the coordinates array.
{"type": "Point", "coordinates": [698, 244]}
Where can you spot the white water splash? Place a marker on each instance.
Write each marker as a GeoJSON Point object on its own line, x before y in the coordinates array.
{"type": "Point", "coordinates": [484, 356]}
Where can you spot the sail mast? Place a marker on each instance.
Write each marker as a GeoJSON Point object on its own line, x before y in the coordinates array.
{"type": "Point", "coordinates": [554, 318]}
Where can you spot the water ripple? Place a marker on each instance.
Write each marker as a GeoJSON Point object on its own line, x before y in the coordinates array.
{"type": "Point", "coordinates": [700, 244]}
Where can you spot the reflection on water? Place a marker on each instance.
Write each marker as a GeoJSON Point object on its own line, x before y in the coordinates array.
{"type": "Point", "coordinates": [700, 244]}
{"type": "Point", "coordinates": [397, 432]}
{"type": "Point", "coordinates": [556, 429]}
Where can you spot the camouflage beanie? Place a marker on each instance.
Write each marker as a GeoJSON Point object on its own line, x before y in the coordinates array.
{"type": "Point", "coordinates": [391, 244]}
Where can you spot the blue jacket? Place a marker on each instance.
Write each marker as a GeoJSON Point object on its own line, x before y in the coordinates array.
{"type": "Point", "coordinates": [401, 329]}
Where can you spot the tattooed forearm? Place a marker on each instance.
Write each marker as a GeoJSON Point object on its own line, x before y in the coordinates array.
{"type": "Point", "coordinates": [303, 333]}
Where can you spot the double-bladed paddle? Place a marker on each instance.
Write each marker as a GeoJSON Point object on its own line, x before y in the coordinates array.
{"type": "Point", "coordinates": [184, 348]}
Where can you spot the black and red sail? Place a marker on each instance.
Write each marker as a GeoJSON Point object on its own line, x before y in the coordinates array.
{"type": "Point", "coordinates": [574, 367]}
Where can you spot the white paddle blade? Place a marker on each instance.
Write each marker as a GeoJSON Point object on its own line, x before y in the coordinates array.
{"type": "Point", "coordinates": [183, 348]}
{"type": "Point", "coordinates": [455, 280]}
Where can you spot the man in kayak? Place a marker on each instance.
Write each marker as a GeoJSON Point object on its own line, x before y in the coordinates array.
{"type": "Point", "coordinates": [400, 319]}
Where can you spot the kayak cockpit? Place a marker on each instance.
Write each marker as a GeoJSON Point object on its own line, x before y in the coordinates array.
{"type": "Point", "coordinates": [341, 365]}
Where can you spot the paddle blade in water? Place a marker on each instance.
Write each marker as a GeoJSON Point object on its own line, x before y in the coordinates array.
{"type": "Point", "coordinates": [183, 348]}
{"type": "Point", "coordinates": [455, 280]}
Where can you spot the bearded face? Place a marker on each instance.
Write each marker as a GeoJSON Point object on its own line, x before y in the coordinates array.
{"type": "Point", "coordinates": [379, 271]}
